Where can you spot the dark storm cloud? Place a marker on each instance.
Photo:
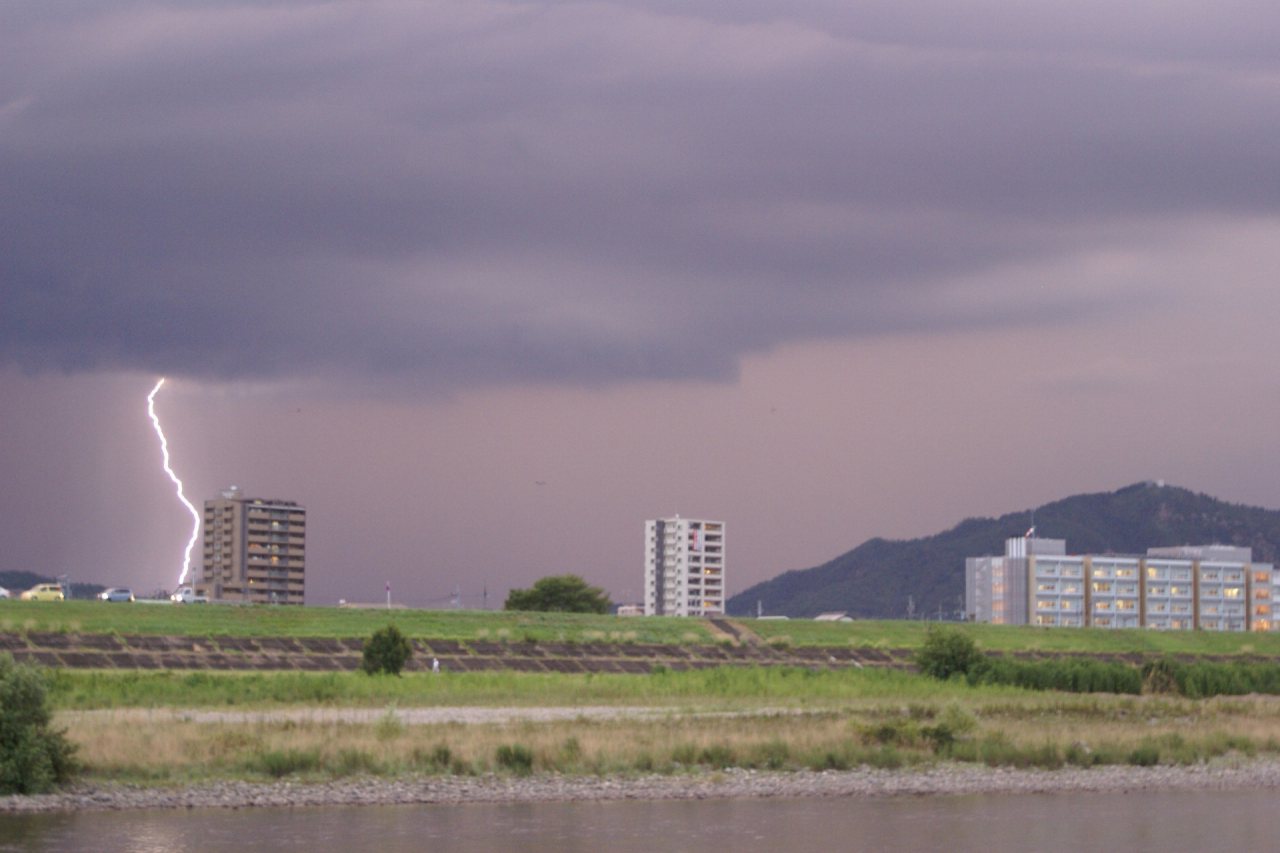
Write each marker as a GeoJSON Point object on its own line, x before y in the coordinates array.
{"type": "Point", "coordinates": [467, 192]}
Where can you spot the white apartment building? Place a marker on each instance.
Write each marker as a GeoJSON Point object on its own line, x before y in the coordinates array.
{"type": "Point", "coordinates": [1210, 587]}
{"type": "Point", "coordinates": [684, 561]}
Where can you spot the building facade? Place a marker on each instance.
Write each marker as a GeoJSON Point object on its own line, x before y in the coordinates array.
{"type": "Point", "coordinates": [684, 567]}
{"type": "Point", "coordinates": [254, 550]}
{"type": "Point", "coordinates": [1208, 587]}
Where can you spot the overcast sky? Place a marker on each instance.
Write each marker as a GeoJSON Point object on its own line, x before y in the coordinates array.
{"type": "Point", "coordinates": [486, 284]}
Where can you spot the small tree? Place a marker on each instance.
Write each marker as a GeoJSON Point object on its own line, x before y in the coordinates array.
{"type": "Point", "coordinates": [386, 651]}
{"type": "Point", "coordinates": [33, 757]}
{"type": "Point", "coordinates": [947, 652]}
{"type": "Point", "coordinates": [564, 593]}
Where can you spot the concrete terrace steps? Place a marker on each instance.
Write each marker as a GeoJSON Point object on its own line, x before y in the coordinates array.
{"type": "Point", "coordinates": [329, 654]}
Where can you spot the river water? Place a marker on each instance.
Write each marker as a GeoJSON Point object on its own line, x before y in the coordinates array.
{"type": "Point", "coordinates": [1053, 823]}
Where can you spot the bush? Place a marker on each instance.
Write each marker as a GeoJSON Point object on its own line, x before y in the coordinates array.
{"type": "Point", "coordinates": [1146, 754]}
{"type": "Point", "coordinates": [1160, 676]}
{"type": "Point", "coordinates": [33, 758]}
{"type": "Point", "coordinates": [386, 651]}
{"type": "Point", "coordinates": [515, 757]}
{"type": "Point", "coordinates": [1205, 679]}
{"type": "Point", "coordinates": [1070, 675]}
{"type": "Point", "coordinates": [283, 762]}
{"type": "Point", "coordinates": [947, 652]}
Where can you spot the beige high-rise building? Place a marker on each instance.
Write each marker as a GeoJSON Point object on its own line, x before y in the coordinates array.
{"type": "Point", "coordinates": [254, 550]}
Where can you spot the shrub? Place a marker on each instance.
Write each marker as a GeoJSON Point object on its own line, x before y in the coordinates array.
{"type": "Point", "coordinates": [571, 750]}
{"type": "Point", "coordinates": [386, 651]}
{"type": "Point", "coordinates": [953, 724]}
{"type": "Point", "coordinates": [33, 758]}
{"type": "Point", "coordinates": [1070, 675]}
{"type": "Point", "coordinates": [1146, 754]}
{"type": "Point", "coordinates": [353, 762]}
{"type": "Point", "coordinates": [1160, 676]}
{"type": "Point", "coordinates": [1080, 755]}
{"type": "Point", "coordinates": [899, 732]}
{"type": "Point", "coordinates": [773, 754]}
{"type": "Point", "coordinates": [515, 757]}
{"type": "Point", "coordinates": [719, 756]}
{"type": "Point", "coordinates": [829, 760]}
{"type": "Point", "coordinates": [388, 726]}
{"type": "Point", "coordinates": [1204, 679]}
{"type": "Point", "coordinates": [283, 762]}
{"type": "Point", "coordinates": [947, 652]}
{"type": "Point", "coordinates": [438, 759]}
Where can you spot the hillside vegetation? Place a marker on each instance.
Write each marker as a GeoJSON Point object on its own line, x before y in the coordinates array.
{"type": "Point", "coordinates": [874, 580]}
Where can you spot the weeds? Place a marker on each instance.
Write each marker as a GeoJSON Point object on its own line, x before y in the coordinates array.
{"type": "Point", "coordinates": [389, 726]}
{"type": "Point", "coordinates": [516, 758]}
{"type": "Point", "coordinates": [862, 735]}
{"type": "Point", "coordinates": [279, 763]}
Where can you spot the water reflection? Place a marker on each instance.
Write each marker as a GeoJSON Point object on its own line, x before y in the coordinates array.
{"type": "Point", "coordinates": [1058, 822]}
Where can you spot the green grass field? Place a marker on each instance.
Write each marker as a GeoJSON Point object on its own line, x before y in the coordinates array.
{"type": "Point", "coordinates": [901, 634]}
{"type": "Point", "coordinates": [710, 689]}
{"type": "Point", "coordinates": [211, 620]}
{"type": "Point", "coordinates": [95, 617]}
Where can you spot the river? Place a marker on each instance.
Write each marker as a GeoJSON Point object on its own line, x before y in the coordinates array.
{"type": "Point", "coordinates": [1066, 822]}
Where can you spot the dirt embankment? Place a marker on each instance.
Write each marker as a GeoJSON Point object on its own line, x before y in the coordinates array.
{"type": "Point", "coordinates": [320, 654]}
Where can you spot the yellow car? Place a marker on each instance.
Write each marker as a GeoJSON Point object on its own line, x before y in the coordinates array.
{"type": "Point", "coordinates": [43, 592]}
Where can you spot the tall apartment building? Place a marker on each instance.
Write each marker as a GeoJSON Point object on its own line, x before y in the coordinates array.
{"type": "Point", "coordinates": [1209, 587]}
{"type": "Point", "coordinates": [683, 567]}
{"type": "Point", "coordinates": [254, 550]}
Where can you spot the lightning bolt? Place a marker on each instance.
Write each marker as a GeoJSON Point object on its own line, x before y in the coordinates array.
{"type": "Point", "coordinates": [164, 451]}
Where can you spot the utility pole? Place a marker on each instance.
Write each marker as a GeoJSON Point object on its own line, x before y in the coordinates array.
{"type": "Point", "coordinates": [911, 607]}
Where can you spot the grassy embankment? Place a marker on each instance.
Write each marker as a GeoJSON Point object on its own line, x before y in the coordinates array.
{"type": "Point", "coordinates": [210, 620]}
{"type": "Point", "coordinates": [204, 620]}
{"type": "Point", "coordinates": [781, 719]}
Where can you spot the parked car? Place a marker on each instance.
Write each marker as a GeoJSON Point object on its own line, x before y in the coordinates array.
{"type": "Point", "coordinates": [43, 592]}
{"type": "Point", "coordinates": [187, 595]}
{"type": "Point", "coordinates": [116, 593]}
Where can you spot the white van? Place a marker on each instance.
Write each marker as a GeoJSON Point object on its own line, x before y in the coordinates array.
{"type": "Point", "coordinates": [187, 595]}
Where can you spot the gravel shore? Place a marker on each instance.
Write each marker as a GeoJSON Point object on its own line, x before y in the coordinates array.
{"type": "Point", "coordinates": [945, 780]}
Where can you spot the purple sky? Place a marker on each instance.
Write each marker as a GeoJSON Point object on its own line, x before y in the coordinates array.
{"type": "Point", "coordinates": [823, 270]}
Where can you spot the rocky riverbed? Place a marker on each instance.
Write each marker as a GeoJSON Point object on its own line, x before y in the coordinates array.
{"type": "Point", "coordinates": [948, 779]}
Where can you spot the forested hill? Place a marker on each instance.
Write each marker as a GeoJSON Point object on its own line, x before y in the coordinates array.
{"type": "Point", "coordinates": [875, 579]}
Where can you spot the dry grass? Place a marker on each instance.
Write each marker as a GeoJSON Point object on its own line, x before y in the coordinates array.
{"type": "Point", "coordinates": [1019, 732]}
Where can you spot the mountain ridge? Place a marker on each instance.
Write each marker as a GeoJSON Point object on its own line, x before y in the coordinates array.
{"type": "Point", "coordinates": [876, 579]}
